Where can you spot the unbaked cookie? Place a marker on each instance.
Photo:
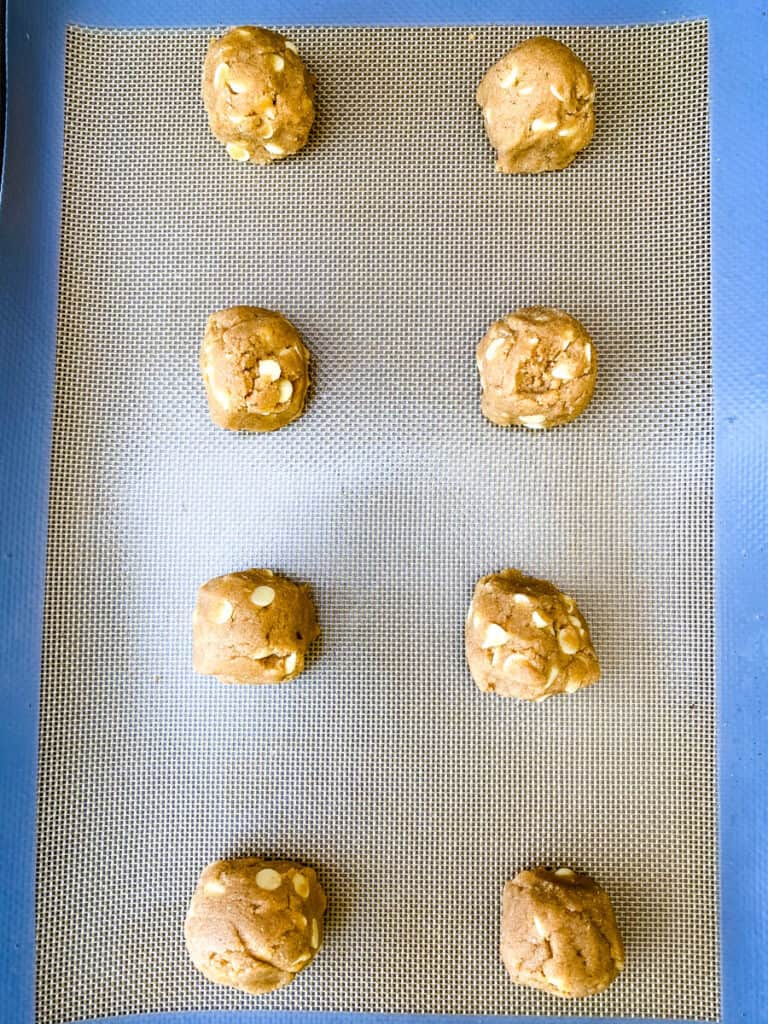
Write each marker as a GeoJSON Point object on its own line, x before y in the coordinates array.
{"type": "Point", "coordinates": [537, 104]}
{"type": "Point", "coordinates": [255, 368]}
{"type": "Point", "coordinates": [252, 627]}
{"type": "Point", "coordinates": [537, 367]}
{"type": "Point", "coordinates": [526, 639]}
{"type": "Point", "coordinates": [254, 924]}
{"type": "Point", "coordinates": [258, 95]}
{"type": "Point", "coordinates": [559, 933]}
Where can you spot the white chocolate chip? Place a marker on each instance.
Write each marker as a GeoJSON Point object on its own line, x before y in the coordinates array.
{"type": "Point", "coordinates": [509, 79]}
{"type": "Point", "coordinates": [291, 46]}
{"type": "Point", "coordinates": [238, 85]}
{"type": "Point", "coordinates": [540, 621]}
{"type": "Point", "coordinates": [219, 394]}
{"type": "Point", "coordinates": [540, 124]}
{"type": "Point", "coordinates": [495, 636]}
{"type": "Point", "coordinates": [265, 130]}
{"type": "Point", "coordinates": [300, 961]}
{"type": "Point", "coordinates": [237, 152]}
{"type": "Point", "coordinates": [477, 620]}
{"type": "Point", "coordinates": [290, 662]}
{"type": "Point", "coordinates": [220, 611]}
{"type": "Point", "coordinates": [566, 131]}
{"type": "Point", "coordinates": [534, 422]}
{"type": "Point", "coordinates": [525, 90]}
{"type": "Point", "coordinates": [278, 62]}
{"type": "Point", "coordinates": [558, 96]}
{"type": "Point", "coordinates": [539, 927]}
{"type": "Point", "coordinates": [564, 873]}
{"type": "Point", "coordinates": [575, 621]}
{"type": "Point", "coordinates": [588, 353]}
{"type": "Point", "coordinates": [315, 936]}
{"type": "Point", "coordinates": [269, 369]}
{"type": "Point", "coordinates": [494, 347]}
{"type": "Point", "coordinates": [220, 75]}
{"type": "Point", "coordinates": [269, 879]}
{"type": "Point", "coordinates": [215, 888]}
{"type": "Point", "coordinates": [554, 672]}
{"type": "Point", "coordinates": [274, 149]}
{"type": "Point", "coordinates": [568, 640]}
{"type": "Point", "coordinates": [569, 603]}
{"type": "Point", "coordinates": [285, 392]}
{"type": "Point", "coordinates": [301, 885]}
{"type": "Point", "coordinates": [235, 118]}
{"type": "Point", "coordinates": [521, 599]}
{"type": "Point", "coordinates": [562, 371]}
{"type": "Point", "coordinates": [488, 114]}
{"type": "Point", "coordinates": [571, 687]}
{"type": "Point", "coordinates": [263, 597]}
{"type": "Point", "coordinates": [513, 660]}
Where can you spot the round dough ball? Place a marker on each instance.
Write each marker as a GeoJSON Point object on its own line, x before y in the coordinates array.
{"type": "Point", "coordinates": [252, 627]}
{"type": "Point", "coordinates": [538, 368]}
{"type": "Point", "coordinates": [255, 369]}
{"type": "Point", "coordinates": [526, 639]}
{"type": "Point", "coordinates": [254, 924]}
{"type": "Point", "coordinates": [258, 95]}
{"type": "Point", "coordinates": [537, 104]}
{"type": "Point", "coordinates": [559, 933]}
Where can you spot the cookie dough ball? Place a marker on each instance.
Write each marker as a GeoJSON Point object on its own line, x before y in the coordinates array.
{"type": "Point", "coordinates": [254, 924]}
{"type": "Point", "coordinates": [258, 95]}
{"type": "Point", "coordinates": [538, 368]}
{"type": "Point", "coordinates": [526, 639]}
{"type": "Point", "coordinates": [255, 369]}
{"type": "Point", "coordinates": [559, 934]}
{"type": "Point", "coordinates": [252, 627]}
{"type": "Point", "coordinates": [537, 107]}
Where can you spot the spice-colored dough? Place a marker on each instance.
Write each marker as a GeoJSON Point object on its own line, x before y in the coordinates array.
{"type": "Point", "coordinates": [255, 368]}
{"type": "Point", "coordinates": [526, 639]}
{"type": "Point", "coordinates": [254, 924]}
{"type": "Point", "coordinates": [537, 104]}
{"type": "Point", "coordinates": [252, 627]}
{"type": "Point", "coordinates": [537, 367]}
{"type": "Point", "coordinates": [559, 933]}
{"type": "Point", "coordinates": [258, 95]}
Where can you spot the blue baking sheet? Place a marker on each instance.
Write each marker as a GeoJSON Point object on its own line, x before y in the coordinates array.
{"type": "Point", "coordinates": [29, 232]}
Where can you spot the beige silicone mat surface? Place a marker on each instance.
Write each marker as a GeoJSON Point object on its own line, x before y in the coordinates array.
{"type": "Point", "coordinates": [392, 243]}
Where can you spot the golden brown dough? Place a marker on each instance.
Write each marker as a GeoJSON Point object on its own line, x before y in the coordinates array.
{"type": "Point", "coordinates": [526, 639]}
{"type": "Point", "coordinates": [255, 368]}
{"type": "Point", "coordinates": [537, 104]}
{"type": "Point", "coordinates": [252, 627]}
{"type": "Point", "coordinates": [538, 368]}
{"type": "Point", "coordinates": [254, 924]}
{"type": "Point", "coordinates": [258, 95]}
{"type": "Point", "coordinates": [559, 933]}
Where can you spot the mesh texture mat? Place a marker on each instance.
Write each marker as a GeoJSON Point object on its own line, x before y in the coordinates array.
{"type": "Point", "coordinates": [392, 244]}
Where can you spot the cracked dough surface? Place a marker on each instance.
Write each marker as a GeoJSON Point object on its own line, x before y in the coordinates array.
{"type": "Point", "coordinates": [254, 924]}
{"type": "Point", "coordinates": [252, 627]}
{"type": "Point", "coordinates": [255, 368]}
{"type": "Point", "coordinates": [559, 933]}
{"type": "Point", "coordinates": [526, 639]}
{"type": "Point", "coordinates": [537, 368]}
{"type": "Point", "coordinates": [537, 104]}
{"type": "Point", "coordinates": [258, 95]}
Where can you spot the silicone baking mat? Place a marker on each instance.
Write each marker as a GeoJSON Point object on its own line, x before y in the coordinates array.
{"type": "Point", "coordinates": [392, 244]}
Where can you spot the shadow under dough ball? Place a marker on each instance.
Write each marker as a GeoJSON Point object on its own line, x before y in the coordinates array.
{"type": "Point", "coordinates": [258, 95]}
{"type": "Point", "coordinates": [537, 104]}
{"type": "Point", "coordinates": [254, 924]}
{"type": "Point", "coordinates": [255, 368]}
{"type": "Point", "coordinates": [559, 933]}
{"type": "Point", "coordinates": [526, 639]}
{"type": "Point", "coordinates": [252, 627]}
{"type": "Point", "coordinates": [538, 368]}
